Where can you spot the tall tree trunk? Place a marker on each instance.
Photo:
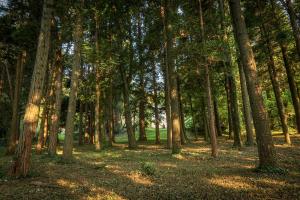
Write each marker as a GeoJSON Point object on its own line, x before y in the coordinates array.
{"type": "Point", "coordinates": [128, 120]}
{"type": "Point", "coordinates": [98, 137]}
{"type": "Point", "coordinates": [193, 118]}
{"type": "Point", "coordinates": [208, 88]}
{"type": "Point", "coordinates": [21, 163]}
{"type": "Point", "coordinates": [68, 143]}
{"type": "Point", "coordinates": [81, 124]}
{"type": "Point", "coordinates": [288, 68]}
{"type": "Point", "coordinates": [43, 128]}
{"type": "Point", "coordinates": [246, 107]}
{"type": "Point", "coordinates": [275, 84]}
{"type": "Point", "coordinates": [292, 85]}
{"type": "Point", "coordinates": [229, 114]}
{"type": "Point", "coordinates": [217, 117]}
{"type": "Point", "coordinates": [142, 98]}
{"type": "Point", "coordinates": [232, 91]}
{"type": "Point", "coordinates": [267, 157]}
{"type": "Point", "coordinates": [110, 114]}
{"type": "Point", "coordinates": [175, 112]}
{"type": "Point", "coordinates": [183, 136]}
{"type": "Point", "coordinates": [14, 128]}
{"type": "Point", "coordinates": [155, 100]}
{"type": "Point", "coordinates": [55, 115]}
{"type": "Point", "coordinates": [166, 79]}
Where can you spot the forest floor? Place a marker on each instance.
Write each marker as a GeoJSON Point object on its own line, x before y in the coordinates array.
{"type": "Point", "coordinates": [151, 172]}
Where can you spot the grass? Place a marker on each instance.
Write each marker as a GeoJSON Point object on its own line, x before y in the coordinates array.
{"type": "Point", "coordinates": [123, 138]}
{"type": "Point", "coordinates": [151, 172]}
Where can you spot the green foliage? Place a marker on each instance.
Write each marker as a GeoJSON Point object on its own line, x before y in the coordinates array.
{"type": "Point", "coordinates": [148, 168]}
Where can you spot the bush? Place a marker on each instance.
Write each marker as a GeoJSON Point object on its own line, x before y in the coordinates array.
{"type": "Point", "coordinates": [148, 168]}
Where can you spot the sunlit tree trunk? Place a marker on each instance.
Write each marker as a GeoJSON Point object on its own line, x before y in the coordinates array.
{"type": "Point", "coordinates": [267, 157]}
{"type": "Point", "coordinates": [68, 142]}
{"type": "Point", "coordinates": [21, 162]}
{"type": "Point", "coordinates": [14, 128]}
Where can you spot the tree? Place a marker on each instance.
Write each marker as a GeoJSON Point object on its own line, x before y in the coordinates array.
{"type": "Point", "coordinates": [21, 163]}
{"type": "Point", "coordinates": [267, 156]}
{"type": "Point", "coordinates": [68, 142]}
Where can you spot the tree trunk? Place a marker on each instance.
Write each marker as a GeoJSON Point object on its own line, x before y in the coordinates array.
{"type": "Point", "coordinates": [98, 110]}
{"type": "Point", "coordinates": [166, 79]}
{"type": "Point", "coordinates": [193, 118]}
{"type": "Point", "coordinates": [55, 115]}
{"type": "Point", "coordinates": [209, 100]}
{"type": "Point", "coordinates": [68, 143]}
{"type": "Point", "coordinates": [217, 117]}
{"type": "Point", "coordinates": [110, 114]}
{"type": "Point", "coordinates": [81, 124]}
{"type": "Point", "coordinates": [246, 107]}
{"type": "Point", "coordinates": [293, 20]}
{"type": "Point", "coordinates": [175, 112]}
{"type": "Point", "coordinates": [128, 120]}
{"type": "Point", "coordinates": [183, 136]}
{"type": "Point", "coordinates": [275, 84]}
{"type": "Point", "coordinates": [21, 163]}
{"type": "Point", "coordinates": [155, 100]}
{"type": "Point", "coordinates": [267, 157]}
{"type": "Point", "coordinates": [14, 128]}
{"type": "Point", "coordinates": [43, 128]}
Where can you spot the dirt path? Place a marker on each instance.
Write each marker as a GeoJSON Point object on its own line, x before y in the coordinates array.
{"type": "Point", "coordinates": [120, 174]}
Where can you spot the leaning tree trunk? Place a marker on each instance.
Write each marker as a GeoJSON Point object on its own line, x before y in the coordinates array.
{"type": "Point", "coordinates": [55, 115]}
{"type": "Point", "coordinates": [14, 128]}
{"type": "Point", "coordinates": [21, 162]}
{"type": "Point", "coordinates": [288, 68]}
{"type": "Point", "coordinates": [267, 157]}
{"type": "Point", "coordinates": [246, 107]}
{"type": "Point", "coordinates": [68, 143]}
{"type": "Point", "coordinates": [275, 84]}
{"type": "Point", "coordinates": [293, 20]}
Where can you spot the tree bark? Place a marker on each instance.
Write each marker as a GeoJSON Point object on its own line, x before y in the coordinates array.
{"type": "Point", "coordinates": [68, 143]}
{"type": "Point", "coordinates": [246, 107]}
{"type": "Point", "coordinates": [217, 117]}
{"type": "Point", "coordinates": [155, 100]}
{"type": "Point", "coordinates": [267, 157]}
{"type": "Point", "coordinates": [166, 79]}
{"type": "Point", "coordinates": [128, 120]}
{"type": "Point", "coordinates": [14, 128]}
{"type": "Point", "coordinates": [175, 112]}
{"type": "Point", "coordinates": [21, 163]}
{"type": "Point", "coordinates": [293, 20]}
{"type": "Point", "coordinates": [55, 115]}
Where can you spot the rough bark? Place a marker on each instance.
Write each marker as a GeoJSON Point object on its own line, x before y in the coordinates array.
{"type": "Point", "coordinates": [175, 112]}
{"type": "Point", "coordinates": [68, 142]}
{"type": "Point", "coordinates": [267, 157]}
{"type": "Point", "coordinates": [14, 128]}
{"type": "Point", "coordinates": [55, 114]}
{"type": "Point", "coordinates": [21, 162]}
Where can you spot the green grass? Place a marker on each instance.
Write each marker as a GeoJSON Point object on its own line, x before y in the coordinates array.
{"type": "Point", "coordinates": [150, 132]}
